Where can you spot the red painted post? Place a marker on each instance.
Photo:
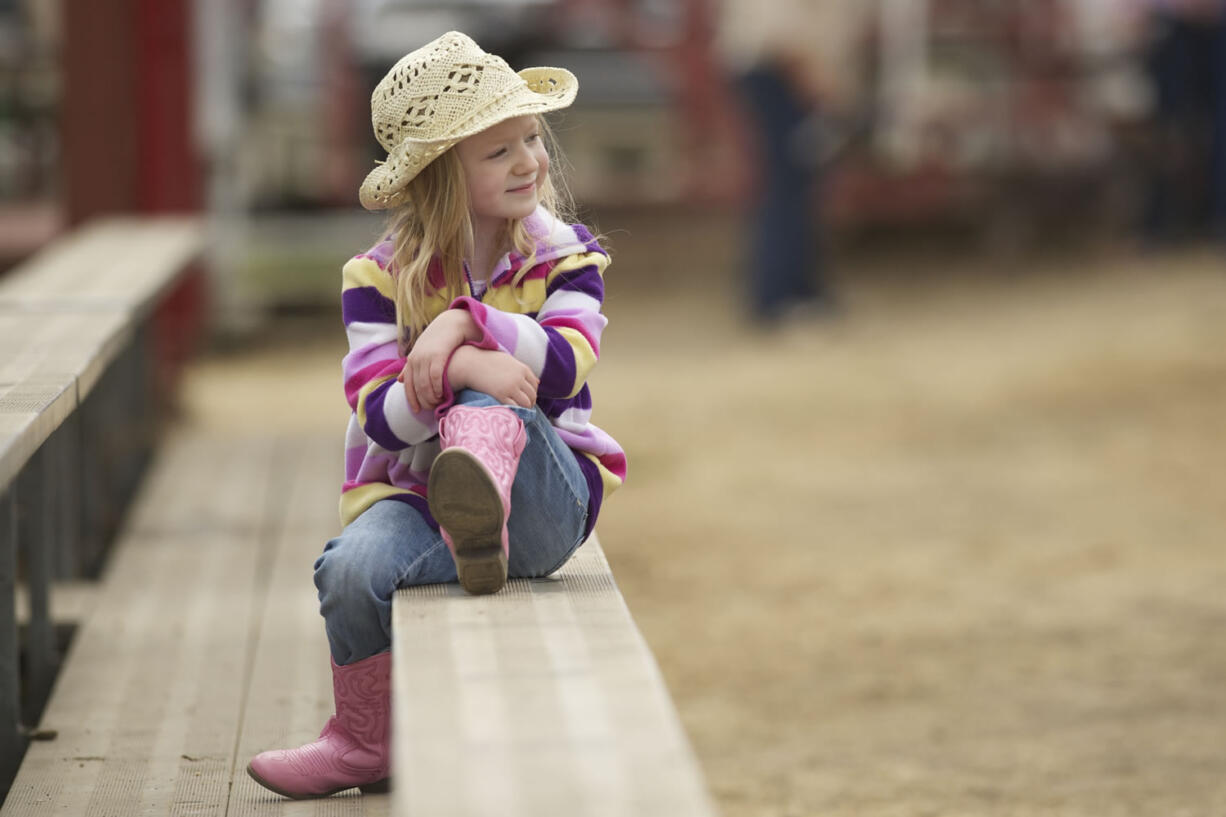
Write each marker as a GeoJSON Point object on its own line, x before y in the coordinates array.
{"type": "Point", "coordinates": [169, 177]}
{"type": "Point", "coordinates": [127, 135]}
{"type": "Point", "coordinates": [126, 121]}
{"type": "Point", "coordinates": [98, 109]}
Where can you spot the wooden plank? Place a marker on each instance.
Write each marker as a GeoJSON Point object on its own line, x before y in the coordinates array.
{"type": "Point", "coordinates": [58, 267]}
{"type": "Point", "coordinates": [33, 369]}
{"type": "Point", "coordinates": [72, 601]}
{"type": "Point", "coordinates": [47, 364]}
{"type": "Point", "coordinates": [54, 347]}
{"type": "Point", "coordinates": [120, 263]}
{"type": "Point", "coordinates": [542, 699]}
{"type": "Point", "coordinates": [105, 338]}
{"type": "Point", "coordinates": [290, 695]}
{"type": "Point", "coordinates": [66, 314]}
{"type": "Point", "coordinates": [159, 250]}
{"type": "Point", "coordinates": [147, 704]}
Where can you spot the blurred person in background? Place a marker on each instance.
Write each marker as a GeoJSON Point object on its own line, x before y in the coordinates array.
{"type": "Point", "coordinates": [792, 62]}
{"type": "Point", "coordinates": [1185, 56]}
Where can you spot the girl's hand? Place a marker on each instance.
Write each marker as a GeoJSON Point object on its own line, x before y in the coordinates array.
{"type": "Point", "coordinates": [496, 373]}
{"type": "Point", "coordinates": [423, 370]}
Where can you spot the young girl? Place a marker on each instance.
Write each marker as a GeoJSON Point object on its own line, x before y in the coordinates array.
{"type": "Point", "coordinates": [472, 328]}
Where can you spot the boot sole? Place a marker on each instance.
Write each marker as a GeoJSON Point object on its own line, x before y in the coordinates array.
{"type": "Point", "coordinates": [464, 500]}
{"type": "Point", "coordinates": [376, 787]}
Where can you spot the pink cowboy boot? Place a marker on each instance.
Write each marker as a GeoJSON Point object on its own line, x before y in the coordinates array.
{"type": "Point", "coordinates": [353, 748]}
{"type": "Point", "coordinates": [470, 490]}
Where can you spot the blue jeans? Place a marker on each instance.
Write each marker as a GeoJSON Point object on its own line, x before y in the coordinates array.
{"type": "Point", "coordinates": [391, 545]}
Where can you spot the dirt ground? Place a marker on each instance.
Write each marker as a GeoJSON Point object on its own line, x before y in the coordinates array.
{"type": "Point", "coordinates": [957, 552]}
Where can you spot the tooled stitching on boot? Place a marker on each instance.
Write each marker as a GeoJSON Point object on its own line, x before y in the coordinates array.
{"type": "Point", "coordinates": [364, 715]}
{"type": "Point", "coordinates": [363, 695]}
{"type": "Point", "coordinates": [318, 759]}
{"type": "Point", "coordinates": [494, 434]}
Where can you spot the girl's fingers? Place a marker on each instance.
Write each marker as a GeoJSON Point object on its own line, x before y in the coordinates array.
{"type": "Point", "coordinates": [422, 388]}
{"type": "Point", "coordinates": [421, 384]}
{"type": "Point", "coordinates": [436, 380]}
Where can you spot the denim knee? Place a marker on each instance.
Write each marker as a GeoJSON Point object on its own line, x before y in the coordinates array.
{"type": "Point", "coordinates": [356, 611]}
{"type": "Point", "coordinates": [344, 582]}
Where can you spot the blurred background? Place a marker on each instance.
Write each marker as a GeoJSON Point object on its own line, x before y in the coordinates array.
{"type": "Point", "coordinates": [1003, 124]}
{"type": "Point", "coordinates": [933, 524]}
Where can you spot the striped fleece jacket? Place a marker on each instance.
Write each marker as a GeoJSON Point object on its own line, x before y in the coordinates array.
{"type": "Point", "coordinates": [550, 320]}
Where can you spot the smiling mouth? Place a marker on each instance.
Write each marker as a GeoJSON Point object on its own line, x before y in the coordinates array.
{"type": "Point", "coordinates": [523, 188]}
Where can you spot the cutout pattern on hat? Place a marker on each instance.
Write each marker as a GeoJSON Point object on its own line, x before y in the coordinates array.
{"type": "Point", "coordinates": [441, 93]}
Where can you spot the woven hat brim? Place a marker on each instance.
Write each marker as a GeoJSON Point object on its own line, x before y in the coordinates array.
{"type": "Point", "coordinates": [548, 89]}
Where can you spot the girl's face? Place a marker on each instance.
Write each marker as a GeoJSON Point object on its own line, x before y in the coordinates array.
{"type": "Point", "coordinates": [504, 167]}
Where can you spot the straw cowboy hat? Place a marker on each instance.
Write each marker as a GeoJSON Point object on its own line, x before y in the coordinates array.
{"type": "Point", "coordinates": [442, 93]}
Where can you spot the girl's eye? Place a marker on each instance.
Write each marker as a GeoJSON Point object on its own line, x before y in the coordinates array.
{"type": "Point", "coordinates": [532, 138]}
{"type": "Point", "coordinates": [497, 153]}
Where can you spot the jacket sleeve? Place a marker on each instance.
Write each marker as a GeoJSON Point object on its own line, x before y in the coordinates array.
{"type": "Point", "coordinates": [371, 367]}
{"type": "Point", "coordinates": [561, 343]}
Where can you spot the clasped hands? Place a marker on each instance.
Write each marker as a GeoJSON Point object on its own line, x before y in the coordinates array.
{"type": "Point", "coordinates": [494, 372]}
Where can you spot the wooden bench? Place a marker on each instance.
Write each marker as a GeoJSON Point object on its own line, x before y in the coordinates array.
{"type": "Point", "coordinates": [543, 699]}
{"type": "Point", "coordinates": [78, 373]}
{"type": "Point", "coordinates": [205, 646]}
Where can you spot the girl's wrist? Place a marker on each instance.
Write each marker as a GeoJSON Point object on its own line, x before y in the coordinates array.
{"type": "Point", "coordinates": [458, 367]}
{"type": "Point", "coordinates": [467, 327]}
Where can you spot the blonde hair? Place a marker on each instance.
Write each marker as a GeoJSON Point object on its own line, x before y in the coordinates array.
{"type": "Point", "coordinates": [435, 225]}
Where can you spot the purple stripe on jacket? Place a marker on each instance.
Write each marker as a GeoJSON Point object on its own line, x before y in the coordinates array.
{"type": "Point", "coordinates": [366, 304]}
{"type": "Point", "coordinates": [558, 376]}
{"type": "Point", "coordinates": [586, 280]}
{"type": "Point", "coordinates": [376, 426]}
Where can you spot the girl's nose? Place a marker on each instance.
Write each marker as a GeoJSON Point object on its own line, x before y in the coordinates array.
{"type": "Point", "coordinates": [525, 162]}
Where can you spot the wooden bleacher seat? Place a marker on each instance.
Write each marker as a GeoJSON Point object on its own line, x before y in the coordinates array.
{"type": "Point", "coordinates": [204, 645]}
{"type": "Point", "coordinates": [122, 263]}
{"type": "Point", "coordinates": [77, 384]}
{"type": "Point", "coordinates": [543, 699]}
